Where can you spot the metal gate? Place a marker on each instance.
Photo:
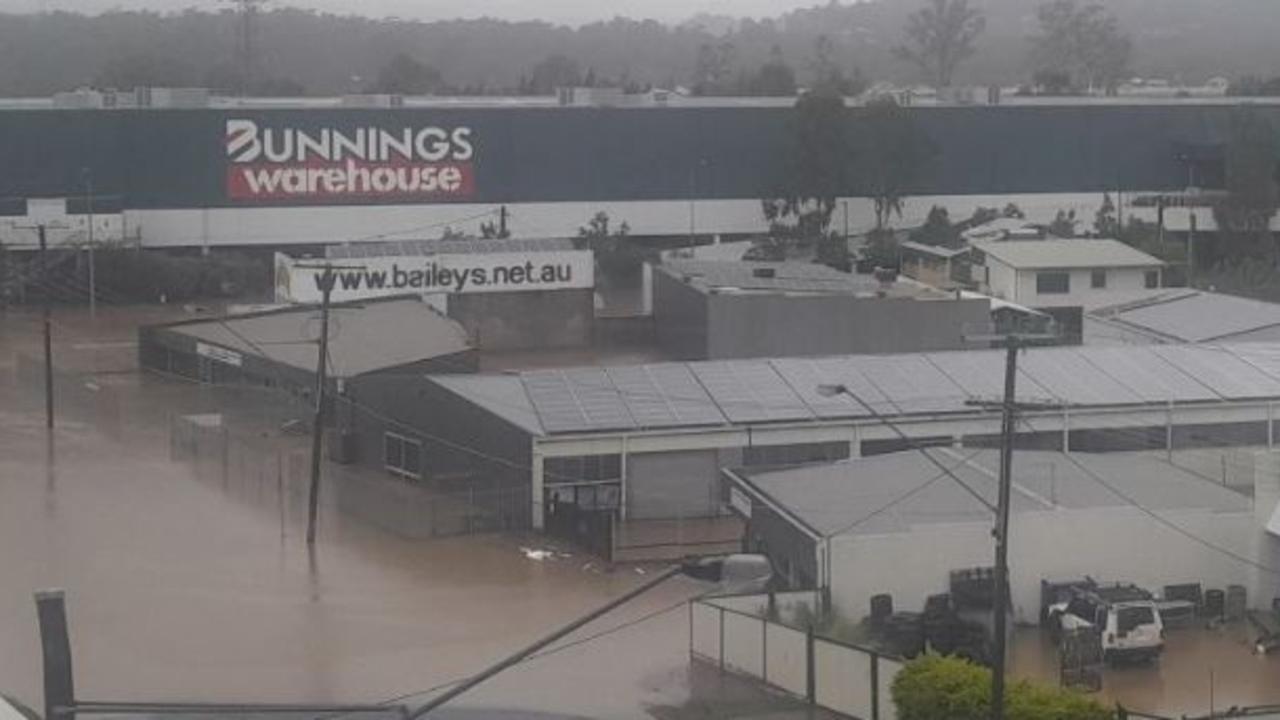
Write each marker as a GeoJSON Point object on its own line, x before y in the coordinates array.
{"type": "Point", "coordinates": [591, 529]}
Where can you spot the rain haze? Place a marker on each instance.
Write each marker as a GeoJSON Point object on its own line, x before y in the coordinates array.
{"type": "Point", "coordinates": [779, 360]}
{"type": "Point", "coordinates": [556, 11]}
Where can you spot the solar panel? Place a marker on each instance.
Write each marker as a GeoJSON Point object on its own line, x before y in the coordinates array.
{"type": "Point", "coordinates": [1072, 379]}
{"type": "Point", "coordinates": [912, 383]}
{"type": "Point", "coordinates": [806, 375]}
{"type": "Point", "coordinates": [1146, 375]}
{"type": "Point", "coordinates": [557, 408]}
{"type": "Point", "coordinates": [750, 391]}
{"type": "Point", "coordinates": [980, 374]}
{"type": "Point", "coordinates": [1266, 358]}
{"type": "Point", "coordinates": [577, 399]}
{"type": "Point", "coordinates": [666, 395]}
{"type": "Point", "coordinates": [1224, 373]}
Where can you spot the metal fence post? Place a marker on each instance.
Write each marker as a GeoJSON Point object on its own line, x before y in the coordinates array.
{"type": "Point", "coordinates": [875, 686]}
{"type": "Point", "coordinates": [811, 676]}
{"type": "Point", "coordinates": [721, 638]}
{"type": "Point", "coordinates": [764, 650]}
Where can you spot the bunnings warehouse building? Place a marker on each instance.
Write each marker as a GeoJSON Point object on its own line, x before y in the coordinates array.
{"type": "Point", "coordinates": [313, 172]}
{"type": "Point", "coordinates": [650, 440]}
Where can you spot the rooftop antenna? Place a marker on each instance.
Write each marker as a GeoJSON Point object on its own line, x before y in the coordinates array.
{"type": "Point", "coordinates": [246, 52]}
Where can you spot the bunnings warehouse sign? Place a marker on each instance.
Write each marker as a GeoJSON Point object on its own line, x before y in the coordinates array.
{"type": "Point", "coordinates": [442, 274]}
{"type": "Point", "coordinates": [410, 163]}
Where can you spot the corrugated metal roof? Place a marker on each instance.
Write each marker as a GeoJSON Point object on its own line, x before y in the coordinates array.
{"type": "Point", "coordinates": [363, 337]}
{"type": "Point", "coordinates": [865, 495]}
{"type": "Point", "coordinates": [1195, 316]}
{"type": "Point", "coordinates": [396, 248]}
{"type": "Point", "coordinates": [744, 392]}
{"type": "Point", "coordinates": [1080, 253]}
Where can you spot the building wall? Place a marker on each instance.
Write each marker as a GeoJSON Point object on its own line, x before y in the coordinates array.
{"type": "Point", "coordinates": [833, 324]}
{"type": "Point", "coordinates": [1121, 283]}
{"type": "Point", "coordinates": [673, 485]}
{"type": "Point", "coordinates": [1110, 544]}
{"type": "Point", "coordinates": [170, 351]}
{"type": "Point", "coordinates": [463, 446]}
{"type": "Point", "coordinates": [680, 316]}
{"type": "Point", "coordinates": [793, 554]}
{"type": "Point", "coordinates": [525, 320]}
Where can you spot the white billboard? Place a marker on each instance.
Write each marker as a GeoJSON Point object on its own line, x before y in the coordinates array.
{"type": "Point", "coordinates": [442, 274]}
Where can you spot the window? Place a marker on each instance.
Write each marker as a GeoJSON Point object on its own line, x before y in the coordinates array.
{"type": "Point", "coordinates": [1152, 279]}
{"type": "Point", "coordinates": [1098, 279]}
{"type": "Point", "coordinates": [582, 469]}
{"type": "Point", "coordinates": [1053, 283]}
{"type": "Point", "coordinates": [795, 454]}
{"type": "Point", "coordinates": [403, 456]}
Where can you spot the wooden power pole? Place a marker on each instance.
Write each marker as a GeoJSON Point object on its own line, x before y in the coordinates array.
{"type": "Point", "coordinates": [326, 279]}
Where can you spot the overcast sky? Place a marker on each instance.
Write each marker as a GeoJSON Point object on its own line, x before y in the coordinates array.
{"type": "Point", "coordinates": [560, 11]}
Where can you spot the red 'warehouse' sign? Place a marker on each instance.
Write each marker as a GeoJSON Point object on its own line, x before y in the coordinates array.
{"type": "Point", "coordinates": [366, 162]}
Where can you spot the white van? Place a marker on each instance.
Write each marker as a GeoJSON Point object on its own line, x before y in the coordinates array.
{"type": "Point", "coordinates": [1126, 617]}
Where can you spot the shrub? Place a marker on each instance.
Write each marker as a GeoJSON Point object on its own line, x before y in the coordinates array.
{"type": "Point", "coordinates": [933, 687]}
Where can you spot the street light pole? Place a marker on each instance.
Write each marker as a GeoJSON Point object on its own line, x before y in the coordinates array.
{"type": "Point", "coordinates": [88, 198]}
{"type": "Point", "coordinates": [45, 312]}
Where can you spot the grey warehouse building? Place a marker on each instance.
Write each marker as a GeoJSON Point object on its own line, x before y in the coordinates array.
{"type": "Point", "coordinates": [277, 347]}
{"type": "Point", "coordinates": [896, 524]}
{"type": "Point", "coordinates": [707, 310]}
{"type": "Point", "coordinates": [650, 441]}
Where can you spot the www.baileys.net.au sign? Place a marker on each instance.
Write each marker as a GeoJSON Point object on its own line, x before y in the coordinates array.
{"type": "Point", "coordinates": [444, 273]}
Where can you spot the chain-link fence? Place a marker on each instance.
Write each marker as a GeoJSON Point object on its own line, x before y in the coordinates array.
{"type": "Point", "coordinates": [274, 470]}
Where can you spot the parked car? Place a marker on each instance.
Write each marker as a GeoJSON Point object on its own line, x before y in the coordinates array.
{"type": "Point", "coordinates": [1126, 617]}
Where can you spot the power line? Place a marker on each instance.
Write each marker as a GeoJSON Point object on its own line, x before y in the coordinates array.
{"type": "Point", "coordinates": [1164, 521]}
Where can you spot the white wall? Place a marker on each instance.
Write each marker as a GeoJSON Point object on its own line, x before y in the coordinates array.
{"type": "Point", "coordinates": [1121, 283]}
{"type": "Point", "coordinates": [1112, 544]}
{"type": "Point", "coordinates": [329, 224]}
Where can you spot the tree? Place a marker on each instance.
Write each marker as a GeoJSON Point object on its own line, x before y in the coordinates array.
{"type": "Point", "coordinates": [892, 153]}
{"type": "Point", "coordinates": [937, 229]}
{"type": "Point", "coordinates": [553, 71]}
{"type": "Point", "coordinates": [404, 75]}
{"type": "Point", "coordinates": [714, 70]}
{"type": "Point", "coordinates": [828, 77]}
{"type": "Point", "coordinates": [815, 173]}
{"type": "Point", "coordinates": [133, 70]}
{"type": "Point", "coordinates": [1064, 224]}
{"type": "Point", "coordinates": [940, 36]}
{"type": "Point", "coordinates": [774, 79]}
{"type": "Point", "coordinates": [1244, 215]}
{"type": "Point", "coordinates": [1082, 42]}
{"type": "Point", "coordinates": [1105, 222]}
{"type": "Point", "coordinates": [1254, 86]}
{"type": "Point", "coordinates": [615, 254]}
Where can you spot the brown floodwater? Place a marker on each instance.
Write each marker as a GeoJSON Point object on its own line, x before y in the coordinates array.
{"type": "Point", "coordinates": [180, 588]}
{"type": "Point", "coordinates": [184, 588]}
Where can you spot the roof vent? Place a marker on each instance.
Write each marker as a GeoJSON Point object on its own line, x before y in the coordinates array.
{"type": "Point", "coordinates": [764, 272]}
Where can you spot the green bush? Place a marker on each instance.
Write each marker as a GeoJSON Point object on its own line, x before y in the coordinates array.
{"type": "Point", "coordinates": [933, 687]}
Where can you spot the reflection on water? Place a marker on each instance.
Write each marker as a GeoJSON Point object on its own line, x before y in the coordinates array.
{"type": "Point", "coordinates": [1179, 683]}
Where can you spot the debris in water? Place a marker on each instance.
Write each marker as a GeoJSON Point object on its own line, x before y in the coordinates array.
{"type": "Point", "coordinates": [534, 554]}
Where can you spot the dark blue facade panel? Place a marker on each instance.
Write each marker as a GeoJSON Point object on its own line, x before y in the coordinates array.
{"type": "Point", "coordinates": [185, 159]}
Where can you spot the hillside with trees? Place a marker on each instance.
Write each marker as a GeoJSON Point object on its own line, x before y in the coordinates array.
{"type": "Point", "coordinates": [973, 42]}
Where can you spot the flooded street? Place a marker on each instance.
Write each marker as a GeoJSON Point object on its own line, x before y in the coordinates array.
{"type": "Point", "coordinates": [186, 586]}
{"type": "Point", "coordinates": [181, 589]}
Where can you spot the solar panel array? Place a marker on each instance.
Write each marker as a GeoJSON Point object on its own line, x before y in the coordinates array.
{"type": "Point", "coordinates": [732, 392]}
